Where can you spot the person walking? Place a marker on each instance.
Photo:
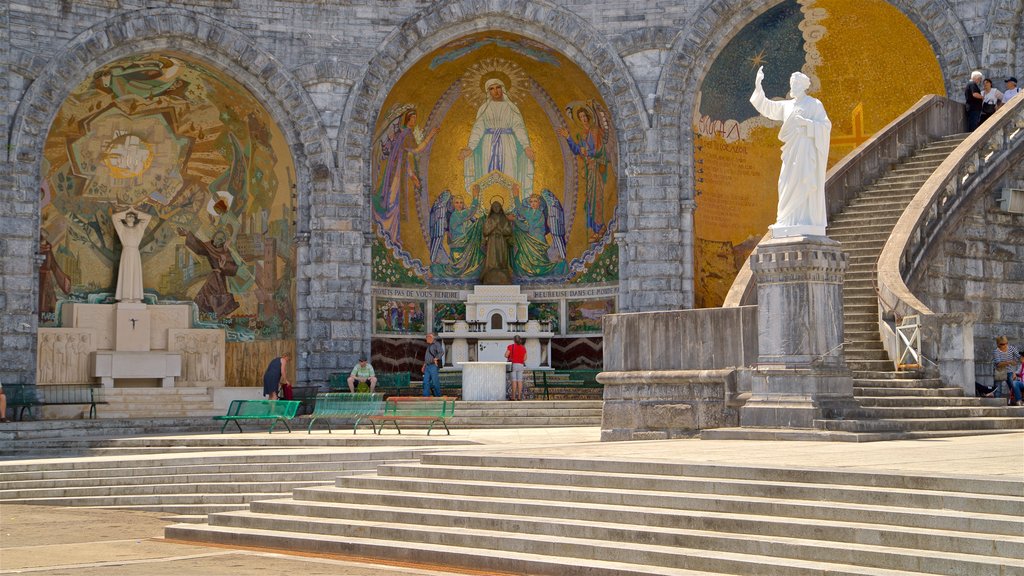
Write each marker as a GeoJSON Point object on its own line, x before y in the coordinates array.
{"type": "Point", "coordinates": [516, 354]}
{"type": "Point", "coordinates": [432, 359]}
{"type": "Point", "coordinates": [276, 373]}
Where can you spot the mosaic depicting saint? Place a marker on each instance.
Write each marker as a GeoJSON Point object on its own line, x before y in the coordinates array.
{"type": "Point", "coordinates": [498, 140]}
{"type": "Point", "coordinates": [589, 144]}
{"type": "Point", "coordinates": [396, 153]}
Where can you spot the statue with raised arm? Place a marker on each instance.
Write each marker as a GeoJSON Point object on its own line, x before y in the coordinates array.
{"type": "Point", "coordinates": [805, 136]}
{"type": "Point", "coordinates": [131, 227]}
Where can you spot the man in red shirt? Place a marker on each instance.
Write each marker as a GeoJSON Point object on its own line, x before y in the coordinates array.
{"type": "Point", "coordinates": [516, 354]}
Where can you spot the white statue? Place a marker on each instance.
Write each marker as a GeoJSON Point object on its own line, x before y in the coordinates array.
{"type": "Point", "coordinates": [805, 136]}
{"type": "Point", "coordinates": [130, 226]}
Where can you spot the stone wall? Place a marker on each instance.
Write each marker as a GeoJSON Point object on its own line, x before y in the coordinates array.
{"type": "Point", "coordinates": [322, 70]}
{"type": "Point", "coordinates": [979, 269]}
{"type": "Point", "coordinates": [671, 374]}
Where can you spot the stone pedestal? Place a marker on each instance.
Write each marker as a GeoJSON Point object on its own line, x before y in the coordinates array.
{"type": "Point", "coordinates": [132, 328]}
{"type": "Point", "coordinates": [483, 380]}
{"type": "Point", "coordinates": [801, 373]}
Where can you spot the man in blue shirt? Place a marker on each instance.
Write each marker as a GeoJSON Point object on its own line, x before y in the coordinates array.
{"type": "Point", "coordinates": [432, 360]}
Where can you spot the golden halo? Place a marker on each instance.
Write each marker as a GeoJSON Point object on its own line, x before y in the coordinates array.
{"type": "Point", "coordinates": [496, 198]}
{"type": "Point", "coordinates": [511, 75]}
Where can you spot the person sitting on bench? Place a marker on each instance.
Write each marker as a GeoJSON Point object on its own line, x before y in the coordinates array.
{"type": "Point", "coordinates": [362, 373]}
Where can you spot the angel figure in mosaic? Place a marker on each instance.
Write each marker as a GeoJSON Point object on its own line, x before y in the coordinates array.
{"type": "Point", "coordinates": [396, 151]}
{"type": "Point", "coordinates": [450, 223]}
{"type": "Point", "coordinates": [529, 239]}
{"type": "Point", "coordinates": [591, 147]}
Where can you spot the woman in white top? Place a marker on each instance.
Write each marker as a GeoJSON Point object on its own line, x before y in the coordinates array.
{"type": "Point", "coordinates": [991, 100]}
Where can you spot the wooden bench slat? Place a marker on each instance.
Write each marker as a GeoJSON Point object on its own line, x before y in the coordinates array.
{"type": "Point", "coordinates": [435, 409]}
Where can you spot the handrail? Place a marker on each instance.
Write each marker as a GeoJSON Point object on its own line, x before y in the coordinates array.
{"type": "Point", "coordinates": [931, 118]}
{"type": "Point", "coordinates": [982, 158]}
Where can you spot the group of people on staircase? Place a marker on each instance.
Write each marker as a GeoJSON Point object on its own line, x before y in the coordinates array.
{"type": "Point", "coordinates": [983, 99]}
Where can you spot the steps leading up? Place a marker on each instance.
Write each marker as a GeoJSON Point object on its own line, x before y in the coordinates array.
{"type": "Point", "coordinates": [583, 516]}
{"type": "Point", "coordinates": [187, 483]}
{"type": "Point", "coordinates": [913, 403]}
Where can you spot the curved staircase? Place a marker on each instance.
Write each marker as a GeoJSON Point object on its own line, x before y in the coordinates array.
{"type": "Point", "coordinates": [907, 401]}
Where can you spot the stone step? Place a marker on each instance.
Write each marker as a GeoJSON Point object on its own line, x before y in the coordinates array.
{"type": "Point", "coordinates": [184, 474]}
{"type": "Point", "coordinates": [668, 547]}
{"type": "Point", "coordinates": [436, 508]}
{"type": "Point", "coordinates": [128, 492]}
{"type": "Point", "coordinates": [196, 513]}
{"type": "Point", "coordinates": [930, 401]}
{"type": "Point", "coordinates": [851, 494]}
{"type": "Point", "coordinates": [943, 424]}
{"type": "Point", "coordinates": [962, 412]}
{"type": "Point", "coordinates": [889, 374]}
{"type": "Point", "coordinates": [440, 554]}
{"type": "Point", "coordinates": [312, 464]}
{"type": "Point", "coordinates": [155, 502]}
{"type": "Point", "coordinates": [610, 542]}
{"type": "Point", "coordinates": [903, 382]}
{"type": "Point", "coordinates": [865, 350]}
{"type": "Point", "coordinates": [207, 458]}
{"type": "Point", "coordinates": [522, 411]}
{"type": "Point", "coordinates": [708, 503]}
{"type": "Point", "coordinates": [865, 365]}
{"type": "Point", "coordinates": [872, 391]}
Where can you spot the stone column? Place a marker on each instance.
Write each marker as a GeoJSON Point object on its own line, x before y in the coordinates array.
{"type": "Point", "coordinates": [801, 374]}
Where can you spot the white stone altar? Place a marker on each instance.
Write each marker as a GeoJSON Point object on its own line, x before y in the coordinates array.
{"type": "Point", "coordinates": [152, 345]}
{"type": "Point", "coordinates": [483, 380]}
{"type": "Point", "coordinates": [494, 316]}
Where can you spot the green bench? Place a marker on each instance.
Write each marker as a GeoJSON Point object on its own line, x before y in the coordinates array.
{"type": "Point", "coordinates": [565, 379]}
{"type": "Point", "coordinates": [276, 410]}
{"type": "Point", "coordinates": [21, 397]}
{"type": "Point", "coordinates": [431, 409]}
{"type": "Point", "coordinates": [360, 406]}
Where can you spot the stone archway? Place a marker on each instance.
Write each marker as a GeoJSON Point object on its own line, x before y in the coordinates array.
{"type": "Point", "coordinates": [537, 20]}
{"type": "Point", "coordinates": [1000, 56]}
{"type": "Point", "coordinates": [695, 50]}
{"type": "Point", "coordinates": [697, 47]}
{"type": "Point", "coordinates": [194, 36]}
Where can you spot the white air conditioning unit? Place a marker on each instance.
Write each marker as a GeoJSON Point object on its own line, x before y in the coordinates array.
{"type": "Point", "coordinates": [1012, 200]}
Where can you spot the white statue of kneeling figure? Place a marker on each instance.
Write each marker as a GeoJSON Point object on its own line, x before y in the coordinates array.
{"type": "Point", "coordinates": [805, 139]}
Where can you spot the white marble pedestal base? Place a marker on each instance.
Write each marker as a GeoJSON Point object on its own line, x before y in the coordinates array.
{"type": "Point", "coordinates": [483, 380]}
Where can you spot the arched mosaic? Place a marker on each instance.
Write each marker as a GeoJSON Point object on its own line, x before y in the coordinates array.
{"type": "Point", "coordinates": [494, 118]}
{"type": "Point", "coordinates": [201, 156]}
{"type": "Point", "coordinates": [861, 81]}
